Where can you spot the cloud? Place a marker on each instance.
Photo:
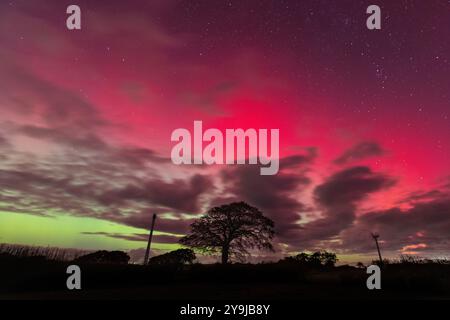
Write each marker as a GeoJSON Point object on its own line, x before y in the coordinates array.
{"type": "Point", "coordinates": [97, 191]}
{"type": "Point", "coordinates": [413, 248]}
{"type": "Point", "coordinates": [5, 148]}
{"type": "Point", "coordinates": [33, 99]}
{"type": "Point", "coordinates": [337, 198]}
{"type": "Point", "coordinates": [64, 136]}
{"type": "Point", "coordinates": [180, 195]}
{"type": "Point", "coordinates": [143, 220]}
{"type": "Point", "coordinates": [350, 185]}
{"type": "Point", "coordinates": [424, 196]}
{"type": "Point", "coordinates": [297, 160]}
{"type": "Point", "coordinates": [277, 195]}
{"type": "Point", "coordinates": [3, 142]}
{"type": "Point", "coordinates": [73, 170]}
{"type": "Point", "coordinates": [140, 237]}
{"type": "Point", "coordinates": [426, 223]}
{"type": "Point", "coordinates": [360, 151]}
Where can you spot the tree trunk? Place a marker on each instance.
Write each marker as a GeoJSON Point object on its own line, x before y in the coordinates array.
{"type": "Point", "coordinates": [225, 252]}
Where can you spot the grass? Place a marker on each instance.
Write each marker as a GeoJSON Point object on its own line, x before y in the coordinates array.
{"type": "Point", "coordinates": [48, 253]}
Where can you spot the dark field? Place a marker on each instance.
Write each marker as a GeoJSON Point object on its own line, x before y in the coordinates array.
{"type": "Point", "coordinates": [40, 278]}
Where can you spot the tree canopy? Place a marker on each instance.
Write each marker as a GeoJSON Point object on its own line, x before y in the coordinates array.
{"type": "Point", "coordinates": [232, 229]}
{"type": "Point", "coordinates": [315, 259]}
{"type": "Point", "coordinates": [103, 256]}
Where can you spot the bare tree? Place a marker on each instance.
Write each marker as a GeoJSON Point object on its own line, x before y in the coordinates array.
{"type": "Point", "coordinates": [232, 229]}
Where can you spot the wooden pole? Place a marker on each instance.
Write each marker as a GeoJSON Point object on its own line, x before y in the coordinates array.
{"type": "Point", "coordinates": [147, 252]}
{"type": "Point", "coordinates": [375, 237]}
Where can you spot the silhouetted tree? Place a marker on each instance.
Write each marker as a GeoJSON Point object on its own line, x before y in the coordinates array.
{"type": "Point", "coordinates": [328, 259]}
{"type": "Point", "coordinates": [176, 257]}
{"type": "Point", "coordinates": [315, 259]}
{"type": "Point", "coordinates": [233, 229]}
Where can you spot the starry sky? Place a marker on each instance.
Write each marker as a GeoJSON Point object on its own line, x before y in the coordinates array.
{"type": "Point", "coordinates": [86, 118]}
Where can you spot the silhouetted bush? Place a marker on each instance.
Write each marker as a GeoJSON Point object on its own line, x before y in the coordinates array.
{"type": "Point", "coordinates": [313, 260]}
{"type": "Point", "coordinates": [177, 257]}
{"type": "Point", "coordinates": [104, 257]}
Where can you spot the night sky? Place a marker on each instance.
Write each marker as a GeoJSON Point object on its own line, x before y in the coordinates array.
{"type": "Point", "coordinates": [86, 118]}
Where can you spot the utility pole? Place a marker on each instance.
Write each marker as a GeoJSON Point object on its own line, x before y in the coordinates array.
{"type": "Point", "coordinates": [147, 252]}
{"type": "Point", "coordinates": [375, 237]}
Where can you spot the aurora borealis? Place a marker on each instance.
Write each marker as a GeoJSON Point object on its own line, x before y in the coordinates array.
{"type": "Point", "coordinates": [86, 118]}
